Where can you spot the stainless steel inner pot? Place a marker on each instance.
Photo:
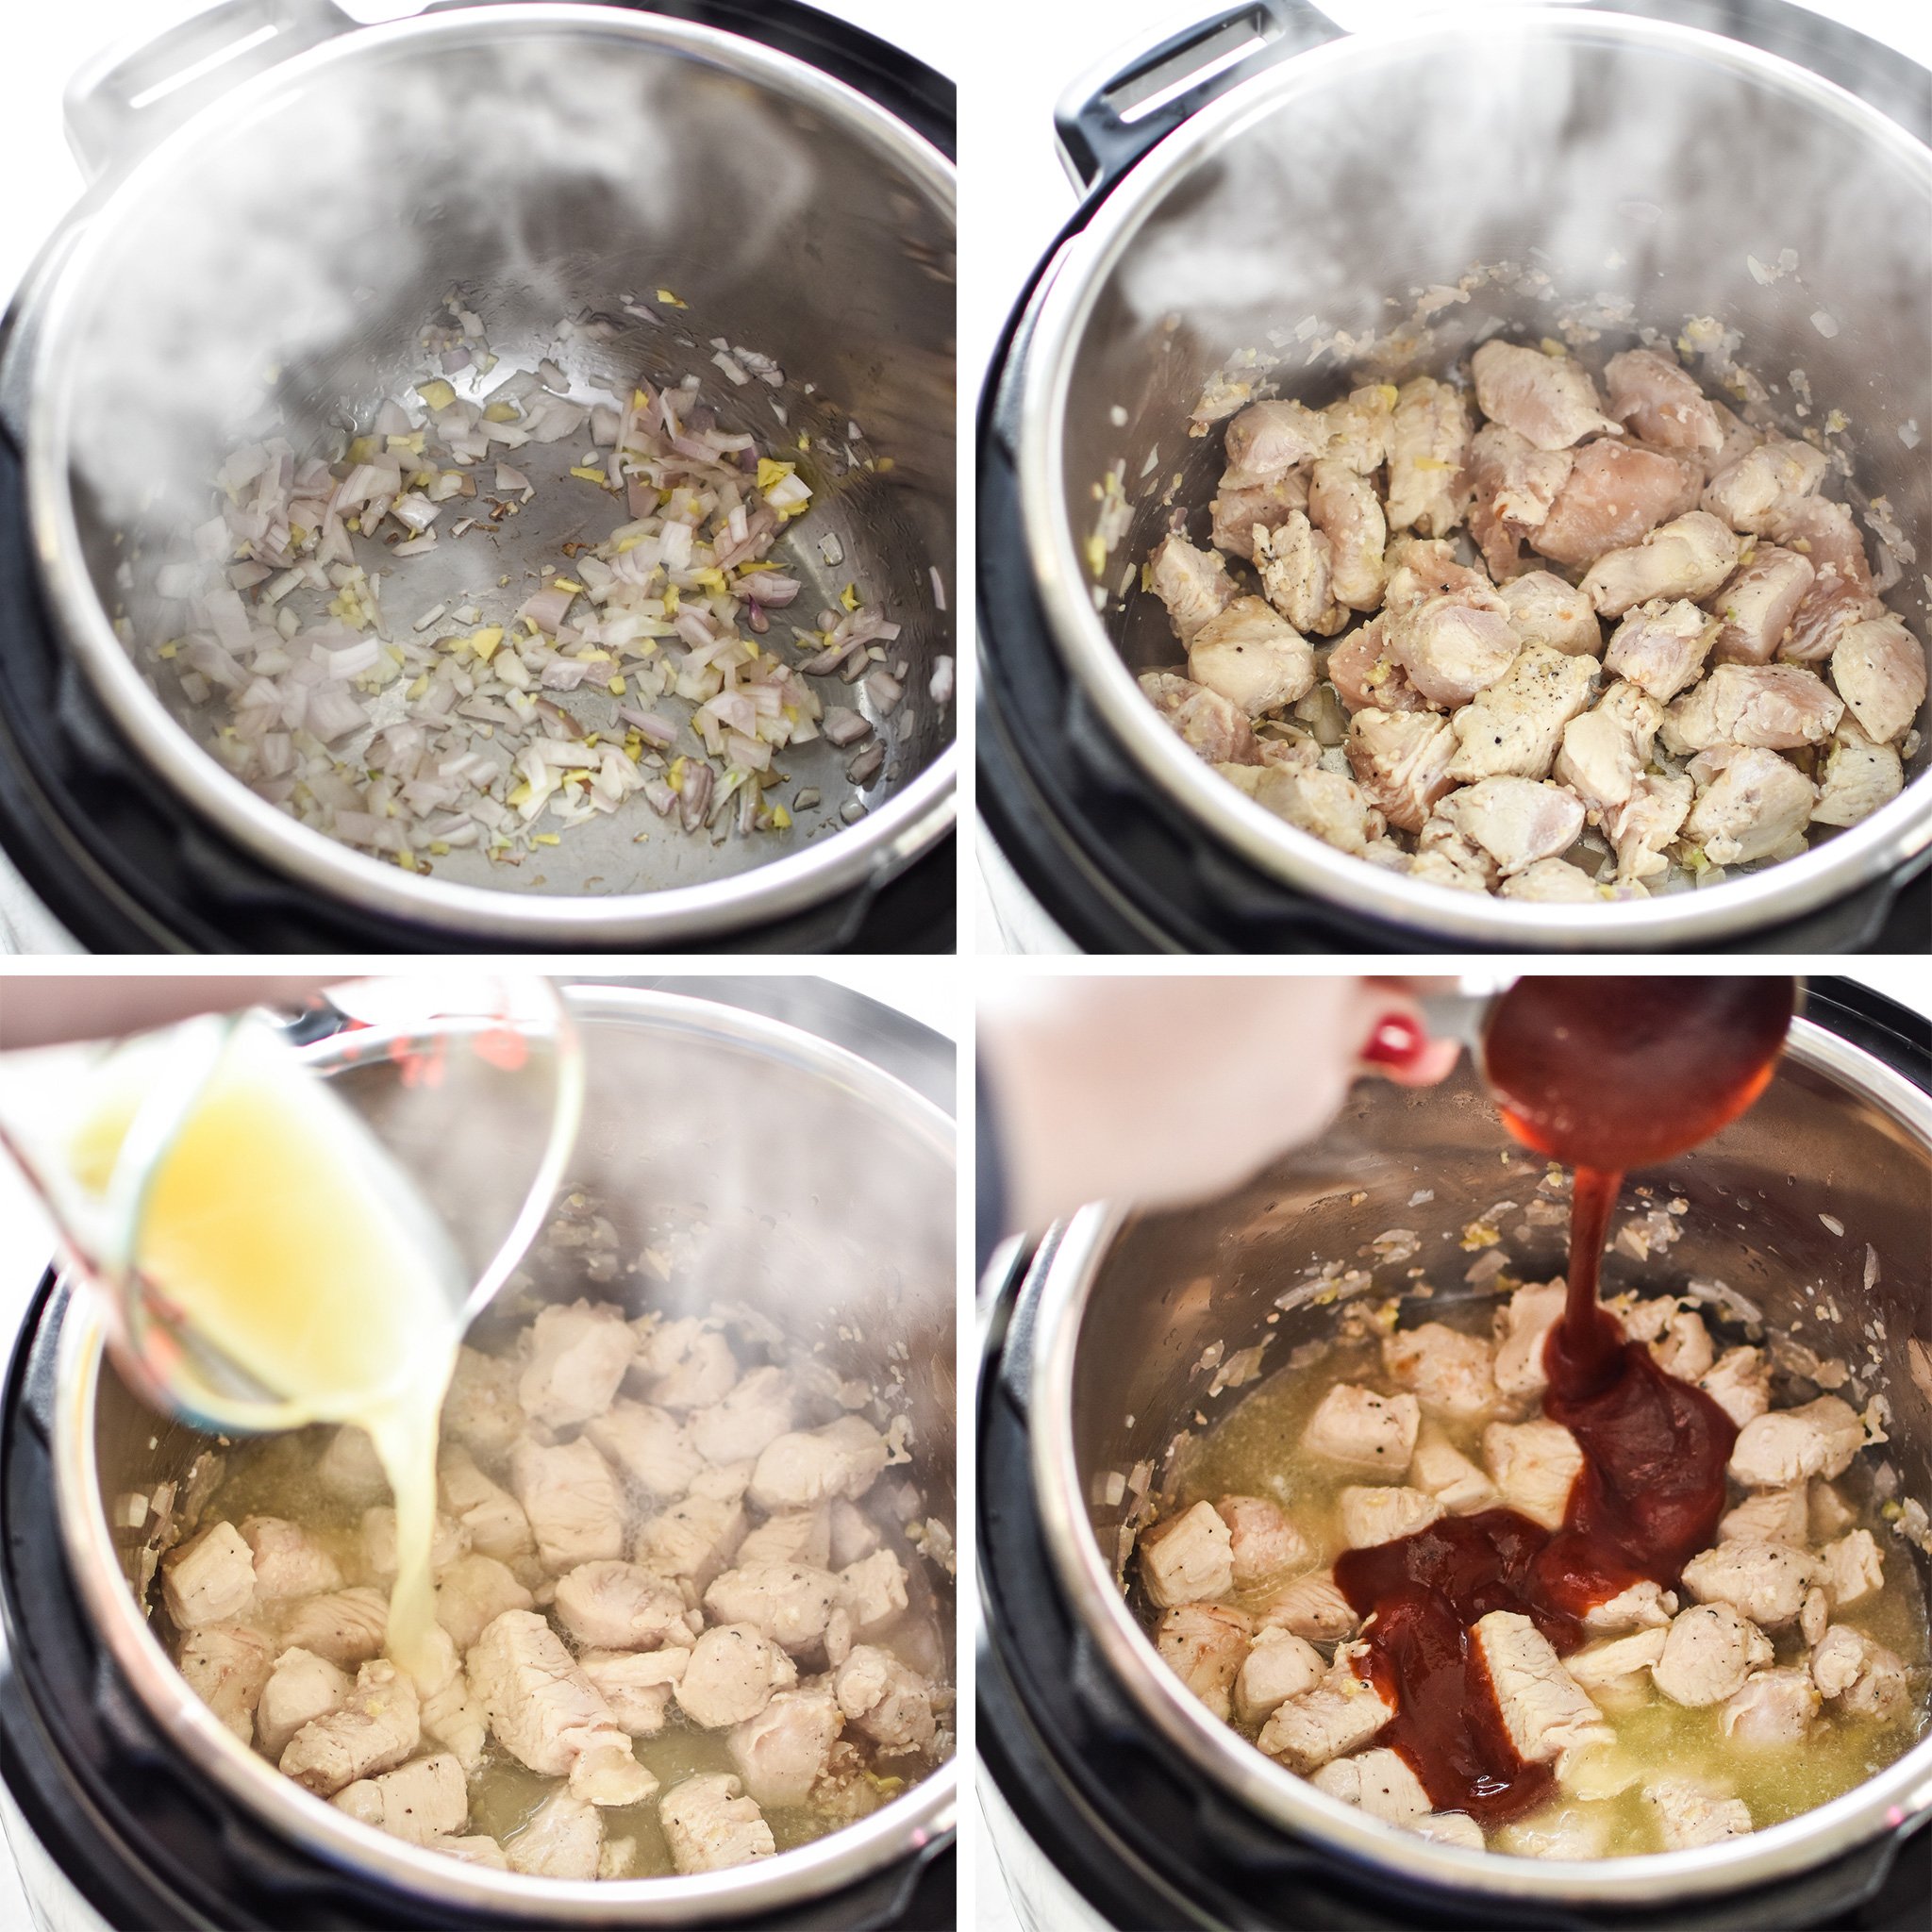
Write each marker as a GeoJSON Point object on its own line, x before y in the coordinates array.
{"type": "Point", "coordinates": [270, 266]}
{"type": "Point", "coordinates": [827, 1187]}
{"type": "Point", "coordinates": [1130, 1307]}
{"type": "Point", "coordinates": [1618, 158]}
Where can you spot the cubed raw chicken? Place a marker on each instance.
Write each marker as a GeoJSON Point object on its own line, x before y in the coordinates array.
{"type": "Point", "coordinates": [1296, 565]}
{"type": "Point", "coordinates": [1441, 1470]}
{"type": "Point", "coordinates": [1661, 404]}
{"type": "Point", "coordinates": [1365, 672]}
{"type": "Point", "coordinates": [480, 1409]}
{"type": "Point", "coordinates": [1267, 440]}
{"type": "Point", "coordinates": [1777, 706]}
{"type": "Point", "coordinates": [1428, 458]}
{"type": "Point", "coordinates": [494, 1519]}
{"type": "Point", "coordinates": [711, 1825]}
{"type": "Point", "coordinates": [786, 1602]}
{"type": "Point", "coordinates": [1860, 776]}
{"type": "Point", "coordinates": [1691, 1813]}
{"type": "Point", "coordinates": [1193, 583]}
{"type": "Point", "coordinates": [1239, 507]}
{"type": "Point", "coordinates": [1755, 607]}
{"type": "Point", "coordinates": [1707, 1653]}
{"type": "Point", "coordinates": [784, 1751]}
{"type": "Point", "coordinates": [1523, 1325]}
{"type": "Point", "coordinates": [1548, 400]}
{"type": "Point", "coordinates": [1841, 590]}
{"type": "Point", "coordinates": [1360, 426]}
{"type": "Point", "coordinates": [560, 1838]}
{"type": "Point", "coordinates": [578, 1355]}
{"type": "Point", "coordinates": [650, 1445]}
{"type": "Point", "coordinates": [1254, 658]}
{"type": "Point", "coordinates": [422, 1801]}
{"type": "Point", "coordinates": [374, 1729]}
{"type": "Point", "coordinates": [1448, 649]}
{"type": "Point", "coordinates": [1343, 506]}
{"type": "Point", "coordinates": [1661, 646]}
{"type": "Point", "coordinates": [1615, 1674]}
{"type": "Point", "coordinates": [1774, 1707]}
{"type": "Point", "coordinates": [1640, 1605]}
{"type": "Point", "coordinates": [1310, 1606]}
{"type": "Point", "coordinates": [1543, 609]}
{"type": "Point", "coordinates": [1381, 1513]}
{"type": "Point", "coordinates": [1262, 1543]}
{"type": "Point", "coordinates": [1425, 567]}
{"type": "Point", "coordinates": [449, 1539]}
{"type": "Point", "coordinates": [1516, 821]}
{"type": "Point", "coordinates": [209, 1578]}
{"type": "Point", "coordinates": [812, 1466]}
{"type": "Point", "coordinates": [1447, 1371]}
{"type": "Point", "coordinates": [288, 1560]}
{"type": "Point", "coordinates": [226, 1666]}
{"type": "Point", "coordinates": [300, 1687]}
{"type": "Point", "coordinates": [1869, 1678]}
{"type": "Point", "coordinates": [1379, 1781]}
{"type": "Point", "coordinates": [1338, 1716]}
{"type": "Point", "coordinates": [1751, 804]}
{"type": "Point", "coordinates": [1533, 1466]}
{"type": "Point", "coordinates": [636, 1684]}
{"type": "Point", "coordinates": [1356, 1429]}
{"type": "Point", "coordinates": [1401, 763]}
{"type": "Point", "coordinates": [732, 1671]}
{"type": "Point", "coordinates": [1688, 558]}
{"type": "Point", "coordinates": [1511, 728]}
{"type": "Point", "coordinates": [351, 1471]}
{"type": "Point", "coordinates": [792, 1536]}
{"type": "Point", "coordinates": [1545, 1712]}
{"type": "Point", "coordinates": [1853, 1569]}
{"type": "Point", "coordinates": [1606, 749]}
{"type": "Point", "coordinates": [1278, 1665]}
{"type": "Point", "coordinates": [1758, 492]}
{"type": "Point", "coordinates": [1203, 720]}
{"type": "Point", "coordinates": [347, 1627]}
{"type": "Point", "coordinates": [1514, 484]}
{"type": "Point", "coordinates": [547, 1714]}
{"type": "Point", "coordinates": [613, 1605]}
{"type": "Point", "coordinates": [1614, 496]}
{"type": "Point", "coordinates": [1769, 1516]}
{"type": "Point", "coordinates": [473, 1592]}
{"type": "Point", "coordinates": [1739, 1383]}
{"type": "Point", "coordinates": [1189, 1558]}
{"type": "Point", "coordinates": [1791, 1444]}
{"type": "Point", "coordinates": [1879, 669]}
{"type": "Point", "coordinates": [1763, 1581]}
{"type": "Point", "coordinates": [572, 1499]}
{"type": "Point", "coordinates": [886, 1699]}
{"type": "Point", "coordinates": [682, 1364]}
{"type": "Point", "coordinates": [690, 1541]}
{"type": "Point", "coordinates": [1204, 1645]}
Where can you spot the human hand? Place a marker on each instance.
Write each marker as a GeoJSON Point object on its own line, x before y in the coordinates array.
{"type": "Point", "coordinates": [46, 1009]}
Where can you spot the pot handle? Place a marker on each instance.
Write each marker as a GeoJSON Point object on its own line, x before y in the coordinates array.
{"type": "Point", "coordinates": [125, 99]}
{"type": "Point", "coordinates": [1108, 118]}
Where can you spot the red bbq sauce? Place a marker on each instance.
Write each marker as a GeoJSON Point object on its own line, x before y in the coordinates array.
{"type": "Point", "coordinates": [1604, 1074]}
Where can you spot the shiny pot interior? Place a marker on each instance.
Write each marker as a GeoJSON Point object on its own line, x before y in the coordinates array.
{"type": "Point", "coordinates": [269, 268]}
{"type": "Point", "coordinates": [1608, 160]}
{"type": "Point", "coordinates": [1132, 1310]}
{"type": "Point", "coordinates": [825, 1191]}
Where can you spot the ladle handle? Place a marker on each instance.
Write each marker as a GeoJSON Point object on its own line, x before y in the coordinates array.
{"type": "Point", "coordinates": [127, 97]}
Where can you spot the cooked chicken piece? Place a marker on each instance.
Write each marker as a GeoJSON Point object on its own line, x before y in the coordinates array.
{"type": "Point", "coordinates": [1449, 1828]}
{"type": "Point", "coordinates": [480, 1409]}
{"type": "Point", "coordinates": [226, 1666]}
{"type": "Point", "coordinates": [1365, 672]}
{"type": "Point", "coordinates": [1267, 440]}
{"type": "Point", "coordinates": [786, 1602]}
{"type": "Point", "coordinates": [1204, 1645]}
{"type": "Point", "coordinates": [1661, 646]}
{"type": "Point", "coordinates": [650, 1445]}
{"type": "Point", "coordinates": [1511, 728]}
{"type": "Point", "coordinates": [1841, 594]}
{"type": "Point", "coordinates": [1193, 583]}
{"type": "Point", "coordinates": [1278, 1665]}
{"type": "Point", "coordinates": [811, 1466]}
{"type": "Point", "coordinates": [573, 1501]}
{"type": "Point", "coordinates": [683, 1364]}
{"type": "Point", "coordinates": [351, 1471]}
{"type": "Point", "coordinates": [1203, 720]}
{"type": "Point", "coordinates": [1545, 1709]}
{"type": "Point", "coordinates": [1853, 1569]}
{"type": "Point", "coordinates": [1774, 1707]}
{"type": "Point", "coordinates": [209, 1578]}
{"type": "Point", "coordinates": [1755, 607]}
{"type": "Point", "coordinates": [578, 1355]}
{"type": "Point", "coordinates": [1401, 762]}
{"type": "Point", "coordinates": [854, 1535]}
{"type": "Point", "coordinates": [1444, 858]}
{"type": "Point", "coordinates": [637, 1684]}
{"type": "Point", "coordinates": [492, 1517]}
{"type": "Point", "coordinates": [1448, 649]}
{"type": "Point", "coordinates": [792, 1536]}
{"type": "Point", "coordinates": [1556, 882]}
{"type": "Point", "coordinates": [449, 1539]}
{"type": "Point", "coordinates": [1751, 804]}
{"type": "Point", "coordinates": [1689, 558]}
{"type": "Point", "coordinates": [1814, 1614]}
{"type": "Point", "coordinates": [473, 1592]}
{"type": "Point", "coordinates": [784, 1751]}
{"type": "Point", "coordinates": [1564, 1831]}
{"type": "Point", "coordinates": [1360, 426]}
{"type": "Point", "coordinates": [1379, 1781]}
{"type": "Point", "coordinates": [1739, 1383]}
{"type": "Point", "coordinates": [1310, 1606]}
{"type": "Point", "coordinates": [1262, 1543]}
{"type": "Point", "coordinates": [560, 1838]}
{"type": "Point", "coordinates": [1689, 1814]}
{"type": "Point", "coordinates": [1548, 400]}
{"type": "Point", "coordinates": [374, 1728]}
{"type": "Point", "coordinates": [1516, 821]}
{"type": "Point", "coordinates": [1642, 1606]}
{"type": "Point", "coordinates": [1879, 668]}
{"type": "Point", "coordinates": [1535, 1465]}
{"type": "Point", "coordinates": [1523, 1325]}
{"type": "Point", "coordinates": [1777, 706]}
{"type": "Point", "coordinates": [1661, 403]}
{"type": "Point", "coordinates": [1342, 1713]}
{"type": "Point", "coordinates": [1869, 1678]}
{"type": "Point", "coordinates": [1759, 492]}
{"type": "Point", "coordinates": [1343, 506]}
{"type": "Point", "coordinates": [1189, 1558]}
{"type": "Point", "coordinates": [1606, 749]}
{"type": "Point", "coordinates": [1763, 1581]}
{"type": "Point", "coordinates": [1371, 1515]}
{"type": "Point", "coordinates": [1425, 567]}
{"type": "Point", "coordinates": [690, 1541]}
{"type": "Point", "coordinates": [1356, 1429]}
{"type": "Point", "coordinates": [1616, 1673]}
{"type": "Point", "coordinates": [1709, 1653]}
{"type": "Point", "coordinates": [617, 1605]}
{"type": "Point", "coordinates": [1429, 457]}
{"type": "Point", "coordinates": [886, 1699]}
{"type": "Point", "coordinates": [548, 1715]}
{"type": "Point", "coordinates": [1447, 1371]}
{"type": "Point", "coordinates": [442, 1690]}
{"type": "Point", "coordinates": [478, 1848]}
{"type": "Point", "coordinates": [1515, 483]}
{"type": "Point", "coordinates": [1296, 566]}
{"type": "Point", "coordinates": [1543, 609]}
{"type": "Point", "coordinates": [710, 1826]}
{"type": "Point", "coordinates": [1442, 1471]}
{"type": "Point", "coordinates": [347, 1627]}
{"type": "Point", "coordinates": [1860, 776]}
{"type": "Point", "coordinates": [874, 1594]}
{"type": "Point", "coordinates": [731, 1674]}
{"type": "Point", "coordinates": [1614, 496]}
{"type": "Point", "coordinates": [1254, 659]}
{"type": "Point", "coordinates": [1830, 1513]}
{"type": "Point", "coordinates": [1771, 1516]}
{"type": "Point", "coordinates": [289, 1562]}
{"type": "Point", "coordinates": [300, 1687]}
{"type": "Point", "coordinates": [1678, 1342]}
{"type": "Point", "coordinates": [1838, 1658]}
{"type": "Point", "coordinates": [1791, 1444]}
{"type": "Point", "coordinates": [1239, 507]}
{"type": "Point", "coordinates": [422, 1801]}
{"type": "Point", "coordinates": [1321, 803]}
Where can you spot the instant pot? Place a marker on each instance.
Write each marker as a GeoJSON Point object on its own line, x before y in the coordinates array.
{"type": "Point", "coordinates": [1635, 149]}
{"type": "Point", "coordinates": [788, 176]}
{"type": "Point", "coordinates": [126, 1803]}
{"type": "Point", "coordinates": [1114, 1798]}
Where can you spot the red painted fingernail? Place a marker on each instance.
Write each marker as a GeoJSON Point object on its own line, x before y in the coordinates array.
{"type": "Point", "coordinates": [1398, 1040]}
